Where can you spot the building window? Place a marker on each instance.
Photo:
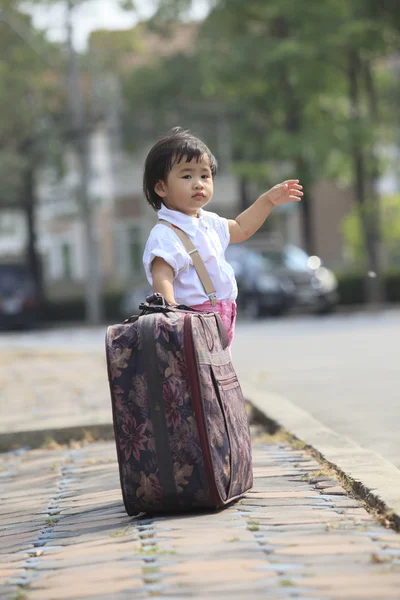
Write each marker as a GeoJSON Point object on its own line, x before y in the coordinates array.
{"type": "Point", "coordinates": [8, 225]}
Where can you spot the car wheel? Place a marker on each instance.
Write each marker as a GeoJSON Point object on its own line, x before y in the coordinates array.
{"type": "Point", "coordinates": [278, 311]}
{"type": "Point", "coordinates": [325, 307]}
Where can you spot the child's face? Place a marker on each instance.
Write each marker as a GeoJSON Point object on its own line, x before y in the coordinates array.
{"type": "Point", "coordinates": [189, 186]}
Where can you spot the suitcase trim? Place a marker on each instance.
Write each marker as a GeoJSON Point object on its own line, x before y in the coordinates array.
{"type": "Point", "coordinates": [194, 385]}
{"type": "Point", "coordinates": [157, 413]}
{"type": "Point", "coordinates": [127, 504]}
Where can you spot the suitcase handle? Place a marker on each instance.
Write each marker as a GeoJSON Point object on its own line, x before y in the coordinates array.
{"type": "Point", "coordinates": [157, 303]}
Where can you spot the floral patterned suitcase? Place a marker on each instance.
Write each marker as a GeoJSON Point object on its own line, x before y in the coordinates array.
{"type": "Point", "coordinates": [180, 419]}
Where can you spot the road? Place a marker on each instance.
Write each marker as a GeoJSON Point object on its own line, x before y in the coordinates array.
{"type": "Point", "coordinates": [342, 369]}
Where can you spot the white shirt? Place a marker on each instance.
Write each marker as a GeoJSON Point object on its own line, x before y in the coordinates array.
{"type": "Point", "coordinates": [210, 234]}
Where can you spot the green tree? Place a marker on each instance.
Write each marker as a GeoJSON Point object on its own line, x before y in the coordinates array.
{"type": "Point", "coordinates": [80, 125]}
{"type": "Point", "coordinates": [352, 228]}
{"type": "Point", "coordinates": [30, 117]}
{"type": "Point", "coordinates": [305, 74]}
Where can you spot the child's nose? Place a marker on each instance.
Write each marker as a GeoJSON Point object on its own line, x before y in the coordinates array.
{"type": "Point", "coordinates": [199, 183]}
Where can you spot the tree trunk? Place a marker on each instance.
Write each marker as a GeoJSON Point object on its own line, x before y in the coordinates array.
{"type": "Point", "coordinates": [294, 122]}
{"type": "Point", "coordinates": [374, 213]}
{"type": "Point", "coordinates": [94, 305]}
{"type": "Point", "coordinates": [303, 173]}
{"type": "Point", "coordinates": [244, 194]}
{"type": "Point", "coordinates": [368, 206]}
{"type": "Point", "coordinates": [294, 127]}
{"type": "Point", "coordinates": [29, 205]}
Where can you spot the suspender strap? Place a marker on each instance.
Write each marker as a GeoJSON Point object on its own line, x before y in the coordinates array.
{"type": "Point", "coordinates": [197, 261]}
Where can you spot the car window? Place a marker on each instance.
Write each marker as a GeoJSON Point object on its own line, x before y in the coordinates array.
{"type": "Point", "coordinates": [291, 257]}
{"type": "Point", "coordinates": [274, 257]}
{"type": "Point", "coordinates": [295, 258]}
{"type": "Point", "coordinates": [13, 279]}
{"type": "Point", "coordinates": [244, 260]}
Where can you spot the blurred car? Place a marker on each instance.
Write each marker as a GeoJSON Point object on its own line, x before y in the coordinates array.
{"type": "Point", "coordinates": [19, 299]}
{"type": "Point", "coordinates": [132, 299]}
{"type": "Point", "coordinates": [261, 289]}
{"type": "Point", "coordinates": [316, 287]}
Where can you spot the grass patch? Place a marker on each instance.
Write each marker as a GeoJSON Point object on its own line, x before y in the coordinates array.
{"type": "Point", "coordinates": [377, 559]}
{"type": "Point", "coordinates": [234, 539]}
{"type": "Point", "coordinates": [340, 525]}
{"type": "Point", "coordinates": [50, 443]}
{"type": "Point", "coordinates": [150, 570]}
{"type": "Point", "coordinates": [297, 444]}
{"type": "Point", "coordinates": [328, 473]}
{"type": "Point", "coordinates": [150, 551]}
{"type": "Point", "coordinates": [120, 532]}
{"type": "Point", "coordinates": [286, 583]}
{"type": "Point", "coordinates": [50, 522]}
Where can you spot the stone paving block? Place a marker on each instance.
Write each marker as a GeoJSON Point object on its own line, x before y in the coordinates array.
{"type": "Point", "coordinates": [326, 550]}
{"type": "Point", "coordinates": [292, 493]}
{"type": "Point", "coordinates": [284, 538]}
{"type": "Point", "coordinates": [7, 570]}
{"type": "Point", "coordinates": [73, 584]}
{"type": "Point", "coordinates": [375, 586]}
{"type": "Point", "coordinates": [269, 503]}
{"type": "Point", "coordinates": [326, 483]}
{"type": "Point", "coordinates": [215, 572]}
{"type": "Point", "coordinates": [335, 491]}
{"type": "Point", "coordinates": [14, 543]}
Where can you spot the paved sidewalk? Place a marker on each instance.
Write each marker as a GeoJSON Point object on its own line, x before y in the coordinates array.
{"type": "Point", "coordinates": [64, 535]}
{"type": "Point", "coordinates": [52, 388]}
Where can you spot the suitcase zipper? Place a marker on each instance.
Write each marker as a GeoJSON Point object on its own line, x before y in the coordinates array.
{"type": "Point", "coordinates": [194, 384]}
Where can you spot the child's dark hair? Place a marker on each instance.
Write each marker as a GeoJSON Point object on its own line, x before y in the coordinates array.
{"type": "Point", "coordinates": [171, 149]}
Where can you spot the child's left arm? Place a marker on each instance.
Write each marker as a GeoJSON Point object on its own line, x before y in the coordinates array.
{"type": "Point", "coordinates": [249, 221]}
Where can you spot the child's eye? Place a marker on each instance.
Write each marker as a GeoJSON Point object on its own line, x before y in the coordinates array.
{"type": "Point", "coordinates": [205, 176]}
{"type": "Point", "coordinates": [186, 177]}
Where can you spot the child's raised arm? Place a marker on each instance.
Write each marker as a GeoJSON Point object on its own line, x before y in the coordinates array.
{"type": "Point", "coordinates": [163, 279]}
{"type": "Point", "coordinates": [249, 221]}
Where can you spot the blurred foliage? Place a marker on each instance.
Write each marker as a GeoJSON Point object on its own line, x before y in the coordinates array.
{"type": "Point", "coordinates": [351, 291]}
{"type": "Point", "coordinates": [277, 89]}
{"type": "Point", "coordinates": [304, 89]}
{"type": "Point", "coordinates": [351, 287]}
{"type": "Point", "coordinates": [280, 71]}
{"type": "Point", "coordinates": [390, 227]}
{"type": "Point", "coordinates": [32, 118]}
{"type": "Point", "coordinates": [31, 101]}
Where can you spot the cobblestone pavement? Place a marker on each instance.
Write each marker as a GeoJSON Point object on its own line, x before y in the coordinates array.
{"type": "Point", "coordinates": [64, 535]}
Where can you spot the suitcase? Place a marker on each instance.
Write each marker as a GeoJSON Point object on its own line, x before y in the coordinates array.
{"type": "Point", "coordinates": [180, 421]}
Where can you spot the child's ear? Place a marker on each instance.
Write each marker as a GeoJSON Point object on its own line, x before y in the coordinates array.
{"type": "Point", "coordinates": [160, 189]}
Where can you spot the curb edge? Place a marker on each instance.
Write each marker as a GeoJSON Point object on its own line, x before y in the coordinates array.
{"type": "Point", "coordinates": [277, 413]}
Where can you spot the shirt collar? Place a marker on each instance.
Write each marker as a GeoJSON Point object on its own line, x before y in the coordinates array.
{"type": "Point", "coordinates": [188, 224]}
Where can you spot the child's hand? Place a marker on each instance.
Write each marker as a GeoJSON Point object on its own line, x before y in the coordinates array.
{"type": "Point", "coordinates": [288, 191]}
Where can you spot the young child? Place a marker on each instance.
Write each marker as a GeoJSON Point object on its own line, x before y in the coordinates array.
{"type": "Point", "coordinates": [178, 183]}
